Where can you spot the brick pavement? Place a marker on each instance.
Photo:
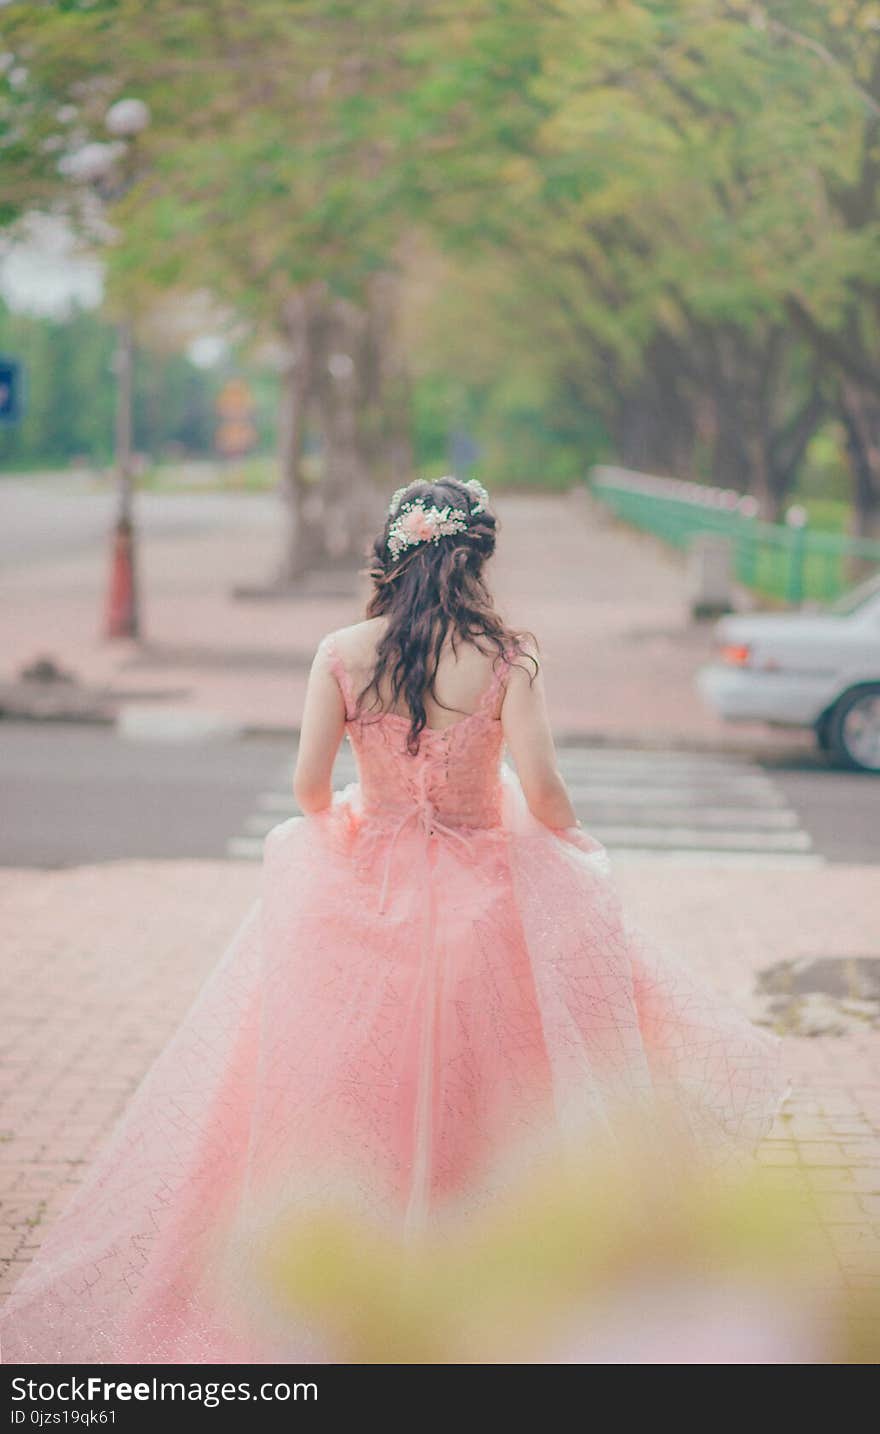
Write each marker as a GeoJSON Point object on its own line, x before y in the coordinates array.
{"type": "Point", "coordinates": [98, 964]}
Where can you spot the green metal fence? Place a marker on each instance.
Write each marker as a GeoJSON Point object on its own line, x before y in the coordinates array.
{"type": "Point", "coordinates": [789, 561]}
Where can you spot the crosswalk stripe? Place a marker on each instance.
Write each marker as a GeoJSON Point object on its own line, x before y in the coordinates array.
{"type": "Point", "coordinates": [595, 760]}
{"type": "Point", "coordinates": [251, 849]}
{"type": "Point", "coordinates": [642, 793]}
{"type": "Point", "coordinates": [698, 816]}
{"type": "Point", "coordinates": [262, 822]}
{"type": "Point", "coordinates": [702, 808]}
{"type": "Point", "coordinates": [708, 817]}
{"type": "Point", "coordinates": [777, 860]}
{"type": "Point", "coordinates": [276, 802]}
{"type": "Point", "coordinates": [692, 781]}
{"type": "Point", "coordinates": [688, 837]}
{"type": "Point", "coordinates": [245, 848]}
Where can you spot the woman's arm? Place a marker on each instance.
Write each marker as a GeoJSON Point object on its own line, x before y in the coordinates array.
{"type": "Point", "coordinates": [526, 727]}
{"type": "Point", "coordinates": [323, 724]}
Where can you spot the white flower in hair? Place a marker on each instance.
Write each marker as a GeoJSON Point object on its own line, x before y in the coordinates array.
{"type": "Point", "coordinates": [420, 522]}
{"type": "Point", "coordinates": [423, 523]}
{"type": "Point", "coordinates": [477, 493]}
{"type": "Point", "coordinates": [396, 499]}
{"type": "Point", "coordinates": [479, 496]}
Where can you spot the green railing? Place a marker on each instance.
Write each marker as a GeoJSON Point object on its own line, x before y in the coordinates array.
{"type": "Point", "coordinates": [789, 561]}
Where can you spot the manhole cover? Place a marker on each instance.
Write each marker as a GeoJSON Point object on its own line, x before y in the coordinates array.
{"type": "Point", "coordinates": [821, 995]}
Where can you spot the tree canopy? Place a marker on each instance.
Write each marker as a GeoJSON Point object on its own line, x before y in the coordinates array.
{"type": "Point", "coordinates": [647, 228]}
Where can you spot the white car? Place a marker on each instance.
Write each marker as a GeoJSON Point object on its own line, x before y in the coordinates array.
{"type": "Point", "coordinates": [805, 669]}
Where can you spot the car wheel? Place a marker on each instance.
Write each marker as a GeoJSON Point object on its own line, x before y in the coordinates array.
{"type": "Point", "coordinates": [854, 729]}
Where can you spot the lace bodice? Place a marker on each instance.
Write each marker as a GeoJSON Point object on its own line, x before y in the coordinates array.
{"type": "Point", "coordinates": [454, 777]}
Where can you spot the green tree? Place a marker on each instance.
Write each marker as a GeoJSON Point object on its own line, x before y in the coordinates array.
{"type": "Point", "coordinates": [660, 216]}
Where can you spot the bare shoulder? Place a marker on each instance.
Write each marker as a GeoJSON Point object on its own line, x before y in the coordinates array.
{"type": "Point", "coordinates": [526, 655]}
{"type": "Point", "coordinates": [355, 644]}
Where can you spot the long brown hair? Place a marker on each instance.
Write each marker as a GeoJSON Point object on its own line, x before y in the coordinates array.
{"type": "Point", "coordinates": [430, 591]}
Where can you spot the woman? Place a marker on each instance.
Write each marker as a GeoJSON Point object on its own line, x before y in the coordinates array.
{"type": "Point", "coordinates": [436, 974]}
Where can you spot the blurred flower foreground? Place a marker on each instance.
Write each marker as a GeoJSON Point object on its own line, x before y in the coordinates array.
{"type": "Point", "coordinates": [633, 1255]}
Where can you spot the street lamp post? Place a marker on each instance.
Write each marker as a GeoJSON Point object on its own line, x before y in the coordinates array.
{"type": "Point", "coordinates": [109, 169]}
{"type": "Point", "coordinates": [125, 120]}
{"type": "Point", "coordinates": [123, 365]}
{"type": "Point", "coordinates": [122, 611]}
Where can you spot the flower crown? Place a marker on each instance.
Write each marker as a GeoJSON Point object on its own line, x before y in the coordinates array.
{"type": "Point", "coordinates": [419, 522]}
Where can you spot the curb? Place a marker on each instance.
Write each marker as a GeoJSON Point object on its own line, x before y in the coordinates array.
{"type": "Point", "coordinates": [56, 702]}
{"type": "Point", "coordinates": [201, 726]}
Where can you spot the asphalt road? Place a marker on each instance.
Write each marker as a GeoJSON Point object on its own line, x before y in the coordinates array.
{"type": "Point", "coordinates": [76, 794]}
{"type": "Point", "coordinates": [43, 516]}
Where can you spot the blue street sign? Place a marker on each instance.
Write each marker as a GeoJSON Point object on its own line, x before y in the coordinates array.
{"type": "Point", "coordinates": [11, 390]}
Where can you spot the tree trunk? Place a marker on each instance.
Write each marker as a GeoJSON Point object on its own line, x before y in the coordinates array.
{"type": "Point", "coordinates": [764, 417]}
{"type": "Point", "coordinates": [761, 483]}
{"type": "Point", "coordinates": [859, 409]}
{"type": "Point", "coordinates": [654, 425]}
{"type": "Point", "coordinates": [303, 538]}
{"type": "Point", "coordinates": [345, 362]}
{"type": "Point", "coordinates": [730, 458]}
{"type": "Point", "coordinates": [350, 508]}
{"type": "Point", "coordinates": [387, 388]}
{"type": "Point", "coordinates": [730, 462]}
{"type": "Point", "coordinates": [788, 443]}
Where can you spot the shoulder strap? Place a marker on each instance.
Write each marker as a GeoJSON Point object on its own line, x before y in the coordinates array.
{"type": "Point", "coordinates": [340, 672]}
{"type": "Point", "coordinates": [489, 701]}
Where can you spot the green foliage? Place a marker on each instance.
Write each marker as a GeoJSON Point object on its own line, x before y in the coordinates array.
{"type": "Point", "coordinates": [69, 393]}
{"type": "Point", "coordinates": [614, 182]}
{"type": "Point", "coordinates": [70, 396]}
{"type": "Point", "coordinates": [824, 481]}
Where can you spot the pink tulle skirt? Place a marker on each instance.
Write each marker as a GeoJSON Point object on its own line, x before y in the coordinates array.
{"type": "Point", "coordinates": [401, 1007]}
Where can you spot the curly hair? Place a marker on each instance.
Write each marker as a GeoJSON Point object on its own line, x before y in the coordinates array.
{"type": "Point", "coordinates": [429, 591]}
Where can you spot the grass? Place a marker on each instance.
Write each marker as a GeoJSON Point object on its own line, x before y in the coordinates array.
{"type": "Point", "coordinates": [828, 515]}
{"type": "Point", "coordinates": [258, 474]}
{"type": "Point", "coordinates": [824, 575]}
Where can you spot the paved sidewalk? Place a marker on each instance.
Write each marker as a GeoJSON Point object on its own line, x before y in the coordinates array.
{"type": "Point", "coordinates": [98, 964]}
{"type": "Point", "coordinates": [608, 606]}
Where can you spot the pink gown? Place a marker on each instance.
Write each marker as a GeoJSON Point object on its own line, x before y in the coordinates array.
{"type": "Point", "coordinates": [429, 978]}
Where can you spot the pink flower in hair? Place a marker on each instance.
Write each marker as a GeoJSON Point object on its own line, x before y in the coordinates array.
{"type": "Point", "coordinates": [417, 525]}
{"type": "Point", "coordinates": [423, 523]}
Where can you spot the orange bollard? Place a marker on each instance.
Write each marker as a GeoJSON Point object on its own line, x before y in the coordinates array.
{"type": "Point", "coordinates": [121, 618]}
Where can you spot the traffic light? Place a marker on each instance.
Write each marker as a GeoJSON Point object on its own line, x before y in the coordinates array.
{"type": "Point", "coordinates": [11, 390]}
